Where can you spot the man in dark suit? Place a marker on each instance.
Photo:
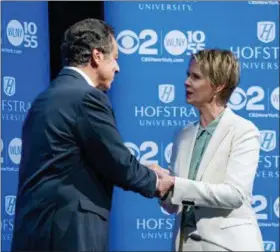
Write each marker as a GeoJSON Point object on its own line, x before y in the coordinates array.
{"type": "Point", "coordinates": [72, 153]}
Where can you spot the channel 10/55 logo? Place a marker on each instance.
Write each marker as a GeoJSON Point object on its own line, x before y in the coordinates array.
{"type": "Point", "coordinates": [22, 33]}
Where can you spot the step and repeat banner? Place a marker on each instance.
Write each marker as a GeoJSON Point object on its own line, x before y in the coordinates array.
{"type": "Point", "coordinates": [155, 42]}
{"type": "Point", "coordinates": [24, 73]}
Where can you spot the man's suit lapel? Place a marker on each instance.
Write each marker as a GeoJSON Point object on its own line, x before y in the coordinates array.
{"type": "Point", "coordinates": [186, 148]}
{"type": "Point", "coordinates": [220, 132]}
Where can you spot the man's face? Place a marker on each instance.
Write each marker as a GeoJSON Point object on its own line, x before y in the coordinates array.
{"type": "Point", "coordinates": [107, 67]}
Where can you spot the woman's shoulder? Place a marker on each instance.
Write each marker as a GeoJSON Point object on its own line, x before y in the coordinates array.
{"type": "Point", "coordinates": [190, 126]}
{"type": "Point", "coordinates": [243, 124]}
{"type": "Point", "coordinates": [181, 132]}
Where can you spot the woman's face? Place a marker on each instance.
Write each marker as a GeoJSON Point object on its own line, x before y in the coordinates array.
{"type": "Point", "coordinates": [199, 90]}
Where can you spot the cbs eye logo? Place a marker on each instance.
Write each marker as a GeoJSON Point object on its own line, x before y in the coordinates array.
{"type": "Point", "coordinates": [128, 42]}
{"type": "Point", "coordinates": [238, 99]}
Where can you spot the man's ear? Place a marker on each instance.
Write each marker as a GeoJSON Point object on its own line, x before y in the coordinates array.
{"type": "Point", "coordinates": [96, 56]}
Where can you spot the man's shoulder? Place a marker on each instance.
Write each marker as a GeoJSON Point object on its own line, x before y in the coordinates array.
{"type": "Point", "coordinates": [74, 88]}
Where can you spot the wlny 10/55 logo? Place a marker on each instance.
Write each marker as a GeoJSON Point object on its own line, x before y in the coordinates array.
{"type": "Point", "coordinates": [13, 151]}
{"type": "Point", "coordinates": [25, 32]}
{"type": "Point", "coordinates": [19, 35]}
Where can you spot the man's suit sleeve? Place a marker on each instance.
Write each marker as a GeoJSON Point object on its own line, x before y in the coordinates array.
{"type": "Point", "coordinates": [104, 148]}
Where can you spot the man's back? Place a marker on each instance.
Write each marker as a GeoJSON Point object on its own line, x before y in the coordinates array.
{"type": "Point", "coordinates": [52, 148]}
{"type": "Point", "coordinates": [54, 171]}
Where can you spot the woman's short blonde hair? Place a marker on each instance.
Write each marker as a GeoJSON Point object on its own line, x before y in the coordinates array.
{"type": "Point", "coordinates": [221, 68]}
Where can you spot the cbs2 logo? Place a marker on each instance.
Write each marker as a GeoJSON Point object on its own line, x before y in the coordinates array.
{"type": "Point", "coordinates": [252, 99]}
{"type": "Point", "coordinates": [147, 152]}
{"type": "Point", "coordinates": [263, 206]}
{"type": "Point", "coordinates": [175, 42]}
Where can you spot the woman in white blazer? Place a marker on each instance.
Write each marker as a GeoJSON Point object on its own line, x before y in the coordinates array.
{"type": "Point", "coordinates": [215, 160]}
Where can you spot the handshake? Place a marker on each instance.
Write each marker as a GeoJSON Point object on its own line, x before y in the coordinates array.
{"type": "Point", "coordinates": [165, 181]}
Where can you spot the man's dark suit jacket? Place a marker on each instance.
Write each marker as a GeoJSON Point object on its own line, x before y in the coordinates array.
{"type": "Point", "coordinates": [72, 156]}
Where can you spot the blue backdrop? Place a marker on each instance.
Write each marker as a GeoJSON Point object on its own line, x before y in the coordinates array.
{"type": "Point", "coordinates": [25, 73]}
{"type": "Point", "coordinates": [155, 40]}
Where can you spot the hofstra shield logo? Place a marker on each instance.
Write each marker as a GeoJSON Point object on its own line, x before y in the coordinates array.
{"type": "Point", "coordinates": [166, 93]}
{"type": "Point", "coordinates": [266, 31]}
{"type": "Point", "coordinates": [7, 222]}
{"type": "Point", "coordinates": [263, 56]}
{"type": "Point", "coordinates": [10, 204]}
{"type": "Point", "coordinates": [268, 140]}
{"type": "Point", "coordinates": [9, 85]}
{"type": "Point", "coordinates": [269, 246]}
{"type": "Point", "coordinates": [12, 108]}
{"type": "Point", "coordinates": [268, 160]}
{"type": "Point", "coordinates": [166, 113]}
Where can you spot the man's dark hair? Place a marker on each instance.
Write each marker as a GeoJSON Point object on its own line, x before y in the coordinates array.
{"type": "Point", "coordinates": [84, 36]}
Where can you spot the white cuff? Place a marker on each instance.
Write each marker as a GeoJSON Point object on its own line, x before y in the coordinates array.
{"type": "Point", "coordinates": [157, 182]}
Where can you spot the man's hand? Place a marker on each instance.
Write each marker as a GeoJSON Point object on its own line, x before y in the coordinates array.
{"type": "Point", "coordinates": [157, 168]}
{"type": "Point", "coordinates": [165, 181]}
